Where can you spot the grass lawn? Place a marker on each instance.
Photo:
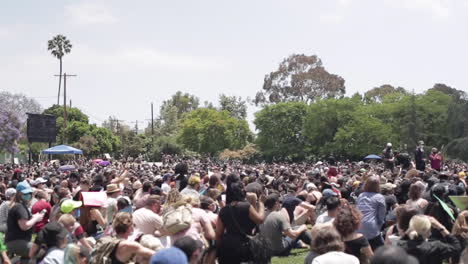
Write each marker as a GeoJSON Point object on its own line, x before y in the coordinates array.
{"type": "Point", "coordinates": [297, 257]}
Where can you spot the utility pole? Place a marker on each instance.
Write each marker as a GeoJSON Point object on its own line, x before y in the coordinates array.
{"type": "Point", "coordinates": [136, 127]}
{"type": "Point", "coordinates": [70, 104]}
{"type": "Point", "coordinates": [65, 103]}
{"type": "Point", "coordinates": [152, 121]}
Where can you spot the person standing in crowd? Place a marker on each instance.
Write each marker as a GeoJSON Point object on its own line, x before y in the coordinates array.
{"type": "Point", "coordinates": [20, 221]}
{"type": "Point", "coordinates": [192, 188]}
{"type": "Point", "coordinates": [420, 157]}
{"type": "Point", "coordinates": [41, 204]}
{"type": "Point", "coordinates": [147, 219]}
{"type": "Point", "coordinates": [388, 157]}
{"type": "Point", "coordinates": [436, 159]}
{"type": "Point", "coordinates": [372, 206]}
{"type": "Point", "coordinates": [10, 194]}
{"type": "Point", "coordinates": [113, 192]}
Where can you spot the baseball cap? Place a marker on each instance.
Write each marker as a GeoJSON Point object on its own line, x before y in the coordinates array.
{"type": "Point", "coordinates": [70, 205]}
{"type": "Point", "coordinates": [24, 187]}
{"type": "Point", "coordinates": [328, 193]}
{"type": "Point", "coordinates": [40, 180]}
{"type": "Point", "coordinates": [170, 255]}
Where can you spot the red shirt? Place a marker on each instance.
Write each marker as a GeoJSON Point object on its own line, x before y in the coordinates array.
{"type": "Point", "coordinates": [436, 161]}
{"type": "Point", "coordinates": [36, 208]}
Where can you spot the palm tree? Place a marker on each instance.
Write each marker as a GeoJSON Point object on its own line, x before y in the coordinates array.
{"type": "Point", "coordinates": [59, 46]}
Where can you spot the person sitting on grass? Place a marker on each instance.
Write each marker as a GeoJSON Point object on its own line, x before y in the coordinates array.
{"type": "Point", "coordinates": [277, 229]}
{"type": "Point", "coordinates": [333, 207]}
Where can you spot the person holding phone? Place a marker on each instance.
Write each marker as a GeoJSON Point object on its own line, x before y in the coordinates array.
{"type": "Point", "coordinates": [20, 221]}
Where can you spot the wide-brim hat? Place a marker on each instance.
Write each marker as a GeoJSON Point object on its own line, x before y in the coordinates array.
{"type": "Point", "coordinates": [112, 188]}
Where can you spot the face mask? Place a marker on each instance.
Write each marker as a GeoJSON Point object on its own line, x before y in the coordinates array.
{"type": "Point", "coordinates": [27, 197]}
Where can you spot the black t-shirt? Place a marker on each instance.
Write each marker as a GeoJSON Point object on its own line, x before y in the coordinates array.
{"type": "Point", "coordinates": [14, 232]}
{"type": "Point", "coordinates": [239, 212]}
{"type": "Point", "coordinates": [290, 202]}
{"type": "Point", "coordinates": [353, 247]}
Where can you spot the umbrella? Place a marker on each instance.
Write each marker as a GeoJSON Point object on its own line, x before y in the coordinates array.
{"type": "Point", "coordinates": [67, 168]}
{"type": "Point", "coordinates": [373, 156]}
{"type": "Point", "coordinates": [104, 163]}
{"type": "Point", "coordinates": [97, 160]}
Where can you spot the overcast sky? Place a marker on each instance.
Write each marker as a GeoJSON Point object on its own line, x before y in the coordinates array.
{"type": "Point", "coordinates": [128, 54]}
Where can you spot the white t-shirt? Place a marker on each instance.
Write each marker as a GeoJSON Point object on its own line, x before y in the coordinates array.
{"type": "Point", "coordinates": [335, 257]}
{"type": "Point", "coordinates": [324, 218]}
{"type": "Point", "coordinates": [147, 221]}
{"type": "Point", "coordinates": [166, 188]}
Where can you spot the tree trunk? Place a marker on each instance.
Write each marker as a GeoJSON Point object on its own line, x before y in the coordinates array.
{"type": "Point", "coordinates": [60, 82]}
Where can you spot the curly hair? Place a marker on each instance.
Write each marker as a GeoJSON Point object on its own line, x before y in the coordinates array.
{"type": "Point", "coordinates": [326, 239]}
{"type": "Point", "coordinates": [122, 222]}
{"type": "Point", "coordinates": [348, 220]}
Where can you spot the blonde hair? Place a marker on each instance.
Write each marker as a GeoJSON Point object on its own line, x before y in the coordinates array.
{"type": "Point", "coordinates": [419, 226]}
{"type": "Point", "coordinates": [461, 224]}
{"type": "Point", "coordinates": [67, 220]}
{"type": "Point", "coordinates": [122, 222]}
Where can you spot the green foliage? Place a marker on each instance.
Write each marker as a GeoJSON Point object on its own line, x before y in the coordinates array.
{"type": "Point", "coordinates": [280, 130]}
{"type": "Point", "coordinates": [89, 145]}
{"type": "Point", "coordinates": [300, 78]}
{"type": "Point", "coordinates": [106, 141]}
{"type": "Point", "coordinates": [361, 136]}
{"type": "Point", "coordinates": [74, 115]}
{"type": "Point", "coordinates": [59, 46]}
{"type": "Point", "coordinates": [458, 148]}
{"type": "Point", "coordinates": [353, 127]}
{"type": "Point", "coordinates": [324, 118]}
{"type": "Point", "coordinates": [234, 105]}
{"type": "Point", "coordinates": [378, 93]}
{"type": "Point", "coordinates": [208, 131]}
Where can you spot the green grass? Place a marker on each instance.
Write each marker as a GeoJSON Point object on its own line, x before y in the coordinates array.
{"type": "Point", "coordinates": [297, 257]}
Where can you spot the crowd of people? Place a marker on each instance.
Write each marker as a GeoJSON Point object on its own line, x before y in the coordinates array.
{"type": "Point", "coordinates": [196, 210]}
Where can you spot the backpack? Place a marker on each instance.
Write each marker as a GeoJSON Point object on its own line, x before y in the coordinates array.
{"type": "Point", "coordinates": [177, 219]}
{"type": "Point", "coordinates": [103, 250]}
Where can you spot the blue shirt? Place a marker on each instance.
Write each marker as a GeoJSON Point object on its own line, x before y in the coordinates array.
{"type": "Point", "coordinates": [372, 207]}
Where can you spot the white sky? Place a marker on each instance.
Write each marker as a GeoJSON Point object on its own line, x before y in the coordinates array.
{"type": "Point", "coordinates": [128, 54]}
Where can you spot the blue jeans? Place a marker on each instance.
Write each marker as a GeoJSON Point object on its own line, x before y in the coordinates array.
{"type": "Point", "coordinates": [290, 243]}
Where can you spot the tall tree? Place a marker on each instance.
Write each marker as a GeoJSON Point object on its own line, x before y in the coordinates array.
{"type": "Point", "coordinates": [234, 105]}
{"type": "Point", "coordinates": [300, 78]}
{"type": "Point", "coordinates": [78, 122]}
{"type": "Point", "coordinates": [377, 93]}
{"type": "Point", "coordinates": [280, 131]}
{"type": "Point", "coordinates": [173, 109]}
{"type": "Point", "coordinates": [58, 47]}
{"type": "Point", "coordinates": [209, 131]}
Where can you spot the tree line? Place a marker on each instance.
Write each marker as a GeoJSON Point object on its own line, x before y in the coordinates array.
{"type": "Point", "coordinates": [304, 115]}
